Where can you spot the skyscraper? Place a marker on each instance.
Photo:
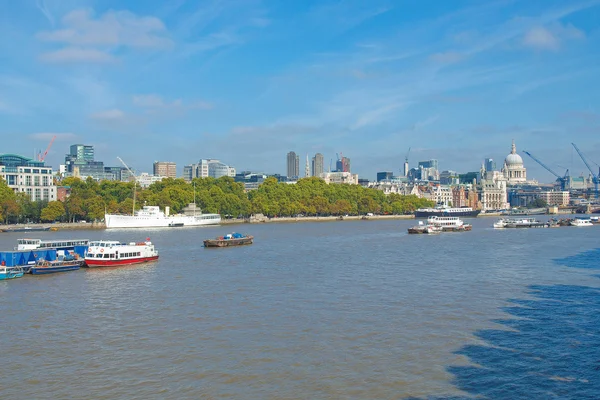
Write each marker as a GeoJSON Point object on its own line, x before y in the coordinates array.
{"type": "Point", "coordinates": [293, 165]}
{"type": "Point", "coordinates": [165, 168]}
{"type": "Point", "coordinates": [317, 165]}
{"type": "Point", "coordinates": [490, 164]}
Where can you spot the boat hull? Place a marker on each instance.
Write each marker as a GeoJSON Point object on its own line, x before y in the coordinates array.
{"type": "Point", "coordinates": [128, 221]}
{"type": "Point", "coordinates": [92, 263]}
{"type": "Point", "coordinates": [427, 214]}
{"type": "Point", "coordinates": [11, 273]}
{"type": "Point", "coordinates": [53, 270]}
{"type": "Point", "coordinates": [229, 242]}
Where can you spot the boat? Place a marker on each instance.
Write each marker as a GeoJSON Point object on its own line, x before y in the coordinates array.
{"type": "Point", "coordinates": [111, 253]}
{"type": "Point", "coordinates": [153, 217]}
{"type": "Point", "coordinates": [59, 244]}
{"type": "Point", "coordinates": [446, 211]}
{"type": "Point", "coordinates": [519, 223]}
{"type": "Point", "coordinates": [65, 262]}
{"type": "Point", "coordinates": [10, 272]}
{"type": "Point", "coordinates": [27, 229]}
{"type": "Point", "coordinates": [231, 239]}
{"type": "Point", "coordinates": [424, 229]}
{"type": "Point", "coordinates": [449, 224]}
{"type": "Point", "coordinates": [581, 222]}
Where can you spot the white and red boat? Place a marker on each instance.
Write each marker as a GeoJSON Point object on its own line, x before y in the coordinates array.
{"type": "Point", "coordinates": [111, 253]}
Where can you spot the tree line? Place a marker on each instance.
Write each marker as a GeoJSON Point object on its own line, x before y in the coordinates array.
{"type": "Point", "coordinates": [89, 200]}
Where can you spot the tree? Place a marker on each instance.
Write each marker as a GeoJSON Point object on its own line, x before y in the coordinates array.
{"type": "Point", "coordinates": [10, 208]}
{"type": "Point", "coordinates": [537, 203]}
{"type": "Point", "coordinates": [54, 211]}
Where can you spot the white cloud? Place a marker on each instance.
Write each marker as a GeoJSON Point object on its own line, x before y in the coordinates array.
{"type": "Point", "coordinates": [551, 37]}
{"type": "Point", "coordinates": [377, 115]}
{"type": "Point", "coordinates": [91, 39]}
{"type": "Point", "coordinates": [109, 115]}
{"type": "Point", "coordinates": [77, 55]}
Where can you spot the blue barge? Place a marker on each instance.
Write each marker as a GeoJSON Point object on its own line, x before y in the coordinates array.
{"type": "Point", "coordinates": [28, 258]}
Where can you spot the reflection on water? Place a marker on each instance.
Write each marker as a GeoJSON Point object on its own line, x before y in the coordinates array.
{"type": "Point", "coordinates": [352, 310]}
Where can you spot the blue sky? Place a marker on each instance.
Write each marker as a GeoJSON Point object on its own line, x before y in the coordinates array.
{"type": "Point", "coordinates": [247, 81]}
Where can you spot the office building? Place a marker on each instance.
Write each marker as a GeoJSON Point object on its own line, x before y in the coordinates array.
{"type": "Point", "coordinates": [317, 165]}
{"type": "Point", "coordinates": [165, 168]}
{"type": "Point", "coordinates": [207, 168]}
{"type": "Point", "coordinates": [293, 165]}
{"type": "Point", "coordinates": [384, 176]}
{"type": "Point", "coordinates": [490, 164]}
{"type": "Point", "coordinates": [24, 175]}
{"type": "Point", "coordinates": [80, 163]}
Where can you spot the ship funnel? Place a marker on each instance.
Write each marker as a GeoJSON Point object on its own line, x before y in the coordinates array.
{"type": "Point", "coordinates": [167, 211]}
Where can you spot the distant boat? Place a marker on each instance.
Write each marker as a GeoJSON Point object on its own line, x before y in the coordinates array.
{"type": "Point", "coordinates": [10, 272]}
{"type": "Point", "coordinates": [444, 211]}
{"type": "Point", "coordinates": [27, 229]}
{"type": "Point", "coordinates": [232, 239]}
{"type": "Point", "coordinates": [58, 244]}
{"type": "Point", "coordinates": [152, 217]}
{"type": "Point", "coordinates": [582, 222]}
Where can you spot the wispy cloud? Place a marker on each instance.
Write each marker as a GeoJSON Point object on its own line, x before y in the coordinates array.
{"type": "Point", "coordinates": [551, 37]}
{"type": "Point", "coordinates": [108, 115]}
{"type": "Point", "coordinates": [41, 5]}
{"type": "Point", "coordinates": [447, 57]}
{"type": "Point", "coordinates": [47, 136]}
{"type": "Point", "coordinates": [91, 39]}
{"type": "Point", "coordinates": [156, 102]}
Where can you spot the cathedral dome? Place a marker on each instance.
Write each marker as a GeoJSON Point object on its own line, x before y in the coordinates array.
{"type": "Point", "coordinates": [513, 159]}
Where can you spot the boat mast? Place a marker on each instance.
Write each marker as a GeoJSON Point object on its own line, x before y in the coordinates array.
{"type": "Point", "coordinates": [134, 184]}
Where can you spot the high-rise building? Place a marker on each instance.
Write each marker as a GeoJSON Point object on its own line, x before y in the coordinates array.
{"type": "Point", "coordinates": [80, 163]}
{"type": "Point", "coordinates": [382, 176]}
{"type": "Point", "coordinates": [165, 168]}
{"type": "Point", "coordinates": [342, 164]}
{"type": "Point", "coordinates": [317, 165]}
{"type": "Point", "coordinates": [490, 164]}
{"type": "Point", "coordinates": [293, 165]}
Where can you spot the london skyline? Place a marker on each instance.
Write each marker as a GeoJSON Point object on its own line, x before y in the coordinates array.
{"type": "Point", "coordinates": [247, 82]}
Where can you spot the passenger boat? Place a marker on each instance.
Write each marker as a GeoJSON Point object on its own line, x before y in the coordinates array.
{"type": "Point", "coordinates": [581, 222]}
{"type": "Point", "coordinates": [520, 223]}
{"type": "Point", "coordinates": [449, 224]}
{"type": "Point", "coordinates": [60, 244]}
{"type": "Point", "coordinates": [111, 253]}
{"type": "Point", "coordinates": [10, 272]}
{"type": "Point", "coordinates": [445, 211]}
{"type": "Point", "coordinates": [231, 239]}
{"type": "Point", "coordinates": [425, 229]}
{"type": "Point", "coordinates": [62, 264]}
{"type": "Point", "coordinates": [153, 217]}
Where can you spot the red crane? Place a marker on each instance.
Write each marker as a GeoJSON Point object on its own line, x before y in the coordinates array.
{"type": "Point", "coordinates": [42, 157]}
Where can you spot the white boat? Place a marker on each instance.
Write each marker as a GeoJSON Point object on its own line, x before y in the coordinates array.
{"type": "Point", "coordinates": [519, 223]}
{"type": "Point", "coordinates": [582, 222]}
{"type": "Point", "coordinates": [427, 229]}
{"type": "Point", "coordinates": [59, 244]}
{"type": "Point", "coordinates": [153, 217]}
{"type": "Point", "coordinates": [449, 224]}
{"type": "Point", "coordinates": [111, 253]}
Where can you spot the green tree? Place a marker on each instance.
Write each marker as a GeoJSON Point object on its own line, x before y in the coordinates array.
{"type": "Point", "coordinates": [54, 211]}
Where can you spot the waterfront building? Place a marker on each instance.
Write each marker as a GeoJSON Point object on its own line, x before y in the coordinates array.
{"type": "Point", "coordinates": [439, 194]}
{"type": "Point", "coordinates": [494, 194]}
{"type": "Point", "coordinates": [207, 168]}
{"type": "Point", "coordinates": [473, 199]}
{"type": "Point", "coordinates": [317, 165]}
{"type": "Point", "coordinates": [513, 169]}
{"type": "Point", "coordinates": [165, 168]}
{"type": "Point", "coordinates": [556, 198]}
{"type": "Point", "coordinates": [293, 165]}
{"type": "Point", "coordinates": [340, 177]}
{"type": "Point", "coordinates": [459, 196]}
{"type": "Point", "coordinates": [25, 175]}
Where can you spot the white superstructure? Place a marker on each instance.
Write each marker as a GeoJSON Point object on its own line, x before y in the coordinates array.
{"type": "Point", "coordinates": [152, 217]}
{"type": "Point", "coordinates": [582, 222]}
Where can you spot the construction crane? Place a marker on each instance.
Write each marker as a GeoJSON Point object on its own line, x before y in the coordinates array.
{"type": "Point", "coordinates": [594, 176]}
{"type": "Point", "coordinates": [564, 180]}
{"type": "Point", "coordinates": [134, 183]}
{"type": "Point", "coordinates": [43, 156]}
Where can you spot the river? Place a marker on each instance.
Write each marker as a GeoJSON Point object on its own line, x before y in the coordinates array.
{"type": "Point", "coordinates": [335, 310]}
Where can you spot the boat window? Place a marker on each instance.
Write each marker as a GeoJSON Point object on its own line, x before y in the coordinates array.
{"type": "Point", "coordinates": [106, 256]}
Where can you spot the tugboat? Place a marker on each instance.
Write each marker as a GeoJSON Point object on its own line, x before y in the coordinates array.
{"type": "Point", "coordinates": [231, 239]}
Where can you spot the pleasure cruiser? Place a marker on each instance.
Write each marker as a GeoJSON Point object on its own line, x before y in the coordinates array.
{"type": "Point", "coordinates": [152, 217]}
{"type": "Point", "coordinates": [110, 253]}
{"type": "Point", "coordinates": [449, 224]}
{"type": "Point", "coordinates": [446, 211]}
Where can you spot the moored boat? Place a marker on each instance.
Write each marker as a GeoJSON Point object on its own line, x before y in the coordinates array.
{"type": "Point", "coordinates": [582, 222]}
{"type": "Point", "coordinates": [520, 223]}
{"type": "Point", "coordinates": [424, 229]}
{"type": "Point", "coordinates": [10, 272]}
{"type": "Point", "coordinates": [231, 239]}
{"type": "Point", "coordinates": [445, 211]}
{"type": "Point", "coordinates": [58, 244]}
{"type": "Point", "coordinates": [27, 229]}
{"type": "Point", "coordinates": [449, 224]}
{"type": "Point", "coordinates": [63, 264]}
{"type": "Point", "coordinates": [153, 217]}
{"type": "Point", "coordinates": [111, 253]}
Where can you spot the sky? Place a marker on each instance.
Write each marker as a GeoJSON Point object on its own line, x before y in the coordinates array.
{"type": "Point", "coordinates": [247, 81]}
